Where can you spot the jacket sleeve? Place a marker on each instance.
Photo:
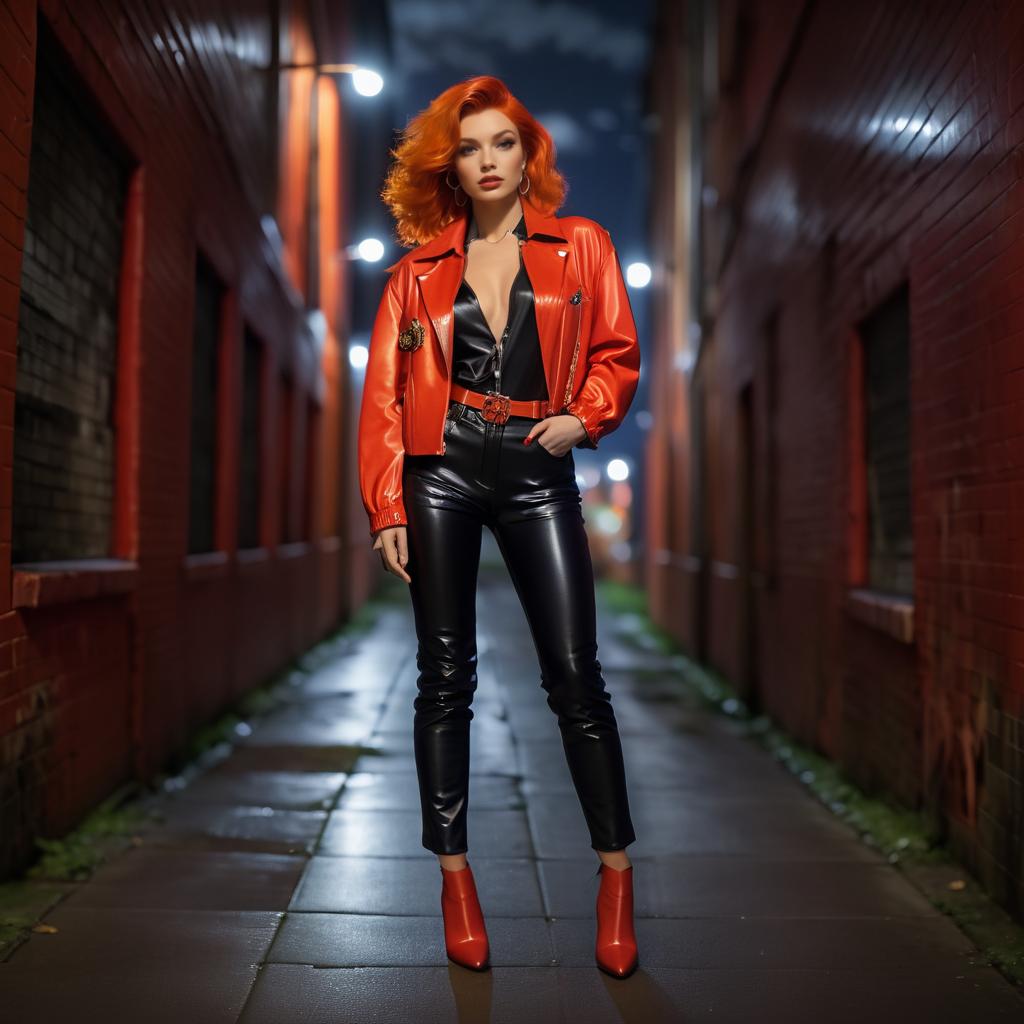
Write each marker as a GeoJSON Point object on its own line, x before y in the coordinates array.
{"type": "Point", "coordinates": [380, 448]}
{"type": "Point", "coordinates": [613, 358]}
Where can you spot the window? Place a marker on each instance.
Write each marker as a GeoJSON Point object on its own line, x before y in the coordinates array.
{"type": "Point", "coordinates": [250, 484]}
{"type": "Point", "coordinates": [285, 434]}
{"type": "Point", "coordinates": [885, 338]}
{"type": "Point", "coordinates": [206, 328]}
{"type": "Point", "coordinates": [64, 434]}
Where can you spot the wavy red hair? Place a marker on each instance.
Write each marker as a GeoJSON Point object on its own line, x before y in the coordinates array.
{"type": "Point", "coordinates": [415, 191]}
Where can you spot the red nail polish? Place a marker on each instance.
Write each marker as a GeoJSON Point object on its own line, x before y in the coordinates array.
{"type": "Point", "coordinates": [527, 440]}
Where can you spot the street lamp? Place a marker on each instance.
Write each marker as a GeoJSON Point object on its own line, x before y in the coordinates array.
{"type": "Point", "coordinates": [365, 81]}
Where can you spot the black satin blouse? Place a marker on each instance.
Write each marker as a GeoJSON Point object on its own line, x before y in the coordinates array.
{"type": "Point", "coordinates": [474, 347]}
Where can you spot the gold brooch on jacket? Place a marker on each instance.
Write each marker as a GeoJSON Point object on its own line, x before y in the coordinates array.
{"type": "Point", "coordinates": [412, 337]}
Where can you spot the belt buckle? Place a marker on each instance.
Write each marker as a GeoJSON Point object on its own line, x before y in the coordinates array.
{"type": "Point", "coordinates": [496, 407]}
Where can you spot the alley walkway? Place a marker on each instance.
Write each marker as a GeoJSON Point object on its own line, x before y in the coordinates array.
{"type": "Point", "coordinates": [288, 884]}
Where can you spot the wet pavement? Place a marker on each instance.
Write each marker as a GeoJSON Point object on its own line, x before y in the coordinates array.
{"type": "Point", "coordinates": [287, 882]}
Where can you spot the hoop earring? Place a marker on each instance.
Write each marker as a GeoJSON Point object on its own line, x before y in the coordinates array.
{"type": "Point", "coordinates": [455, 189]}
{"type": "Point", "coordinates": [527, 177]}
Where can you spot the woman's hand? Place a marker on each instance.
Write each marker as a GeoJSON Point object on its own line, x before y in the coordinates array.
{"type": "Point", "coordinates": [557, 433]}
{"type": "Point", "coordinates": [393, 546]}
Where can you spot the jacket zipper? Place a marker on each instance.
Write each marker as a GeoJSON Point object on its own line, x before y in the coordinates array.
{"type": "Point", "coordinates": [444, 422]}
{"type": "Point", "coordinates": [497, 366]}
{"type": "Point", "coordinates": [575, 356]}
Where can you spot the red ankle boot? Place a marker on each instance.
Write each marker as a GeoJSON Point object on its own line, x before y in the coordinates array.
{"type": "Point", "coordinates": [616, 951]}
{"type": "Point", "coordinates": [465, 935]}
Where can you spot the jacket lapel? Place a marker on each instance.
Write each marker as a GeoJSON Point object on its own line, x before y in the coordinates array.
{"type": "Point", "coordinates": [547, 256]}
{"type": "Point", "coordinates": [438, 270]}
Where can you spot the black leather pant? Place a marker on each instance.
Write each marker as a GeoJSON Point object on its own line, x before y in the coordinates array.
{"type": "Point", "coordinates": [531, 502]}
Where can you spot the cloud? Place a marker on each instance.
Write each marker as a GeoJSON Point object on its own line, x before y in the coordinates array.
{"type": "Point", "coordinates": [568, 134]}
{"type": "Point", "coordinates": [603, 119]}
{"type": "Point", "coordinates": [466, 35]}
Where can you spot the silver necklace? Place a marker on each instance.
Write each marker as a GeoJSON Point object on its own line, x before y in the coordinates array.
{"type": "Point", "coordinates": [480, 238]}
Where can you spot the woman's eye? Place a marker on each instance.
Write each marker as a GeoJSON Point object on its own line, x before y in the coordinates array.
{"type": "Point", "coordinates": [466, 150]}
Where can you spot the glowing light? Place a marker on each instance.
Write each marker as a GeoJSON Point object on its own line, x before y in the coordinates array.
{"type": "Point", "coordinates": [370, 249]}
{"type": "Point", "coordinates": [358, 356]}
{"type": "Point", "coordinates": [617, 469]}
{"type": "Point", "coordinates": [318, 327]}
{"type": "Point", "coordinates": [928, 128]}
{"type": "Point", "coordinates": [638, 275]}
{"type": "Point", "coordinates": [367, 82]}
{"type": "Point", "coordinates": [621, 551]}
{"type": "Point", "coordinates": [607, 520]}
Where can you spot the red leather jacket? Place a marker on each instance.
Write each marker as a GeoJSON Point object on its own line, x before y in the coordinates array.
{"type": "Point", "coordinates": [406, 391]}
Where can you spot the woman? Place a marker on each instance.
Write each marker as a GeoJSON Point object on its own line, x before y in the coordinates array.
{"type": "Point", "coordinates": [503, 339]}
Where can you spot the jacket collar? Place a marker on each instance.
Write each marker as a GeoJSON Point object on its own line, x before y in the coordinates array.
{"type": "Point", "coordinates": [452, 239]}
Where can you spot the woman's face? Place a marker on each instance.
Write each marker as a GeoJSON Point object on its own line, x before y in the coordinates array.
{"type": "Point", "coordinates": [489, 148]}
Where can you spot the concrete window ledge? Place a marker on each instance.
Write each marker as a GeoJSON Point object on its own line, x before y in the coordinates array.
{"type": "Point", "coordinates": [887, 613]}
{"type": "Point", "coordinates": [252, 561]}
{"type": "Point", "coordinates": [37, 584]}
{"type": "Point", "coordinates": [208, 565]}
{"type": "Point", "coordinates": [293, 549]}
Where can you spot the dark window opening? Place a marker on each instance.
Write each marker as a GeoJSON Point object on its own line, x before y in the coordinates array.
{"type": "Point", "coordinates": [885, 336]}
{"type": "Point", "coordinates": [206, 329]}
{"type": "Point", "coordinates": [250, 483]}
{"type": "Point", "coordinates": [66, 374]}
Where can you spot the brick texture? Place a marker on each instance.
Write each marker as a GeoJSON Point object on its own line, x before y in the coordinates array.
{"type": "Point", "coordinates": [851, 148]}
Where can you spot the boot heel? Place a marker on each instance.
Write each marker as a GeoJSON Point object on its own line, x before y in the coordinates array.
{"type": "Point", "coordinates": [615, 950]}
{"type": "Point", "coordinates": [465, 934]}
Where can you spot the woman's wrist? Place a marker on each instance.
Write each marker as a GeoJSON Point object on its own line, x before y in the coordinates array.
{"type": "Point", "coordinates": [583, 426]}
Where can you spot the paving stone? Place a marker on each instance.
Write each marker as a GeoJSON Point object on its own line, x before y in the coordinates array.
{"type": "Point", "coordinates": [315, 726]}
{"type": "Point", "coordinates": [286, 757]}
{"type": "Point", "coordinates": [299, 994]}
{"type": "Point", "coordinates": [734, 886]}
{"type": "Point", "coordinates": [774, 943]}
{"type": "Point", "coordinates": [197, 880]}
{"type": "Point", "coordinates": [368, 940]}
{"type": "Point", "coordinates": [682, 822]}
{"type": "Point", "coordinates": [785, 996]}
{"type": "Point", "coordinates": [393, 885]}
{"type": "Point", "coordinates": [92, 937]}
{"type": "Point", "coordinates": [238, 826]}
{"type": "Point", "coordinates": [152, 992]}
{"type": "Point", "coordinates": [400, 791]}
{"type": "Point", "coordinates": [294, 791]}
{"type": "Point", "coordinates": [398, 833]}
{"type": "Point", "coordinates": [373, 667]}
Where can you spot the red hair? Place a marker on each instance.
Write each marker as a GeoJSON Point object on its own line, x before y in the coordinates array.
{"type": "Point", "coordinates": [415, 191]}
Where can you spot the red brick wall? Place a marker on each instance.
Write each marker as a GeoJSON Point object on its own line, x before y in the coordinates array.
{"type": "Point", "coordinates": [854, 146]}
{"type": "Point", "coordinates": [117, 665]}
